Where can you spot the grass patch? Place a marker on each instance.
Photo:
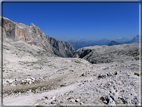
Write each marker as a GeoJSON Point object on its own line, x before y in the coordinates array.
{"type": "Point", "coordinates": [71, 70]}
{"type": "Point", "coordinates": [124, 102]}
{"type": "Point", "coordinates": [5, 48]}
{"type": "Point", "coordinates": [122, 91]}
{"type": "Point", "coordinates": [23, 83]}
{"type": "Point", "coordinates": [137, 74]}
{"type": "Point", "coordinates": [51, 66]}
{"type": "Point", "coordinates": [102, 98]}
{"type": "Point", "coordinates": [77, 62]}
{"type": "Point", "coordinates": [69, 98]}
{"type": "Point", "coordinates": [37, 67]}
{"type": "Point", "coordinates": [62, 85]}
{"type": "Point", "coordinates": [136, 58]}
{"type": "Point", "coordinates": [33, 89]}
{"type": "Point", "coordinates": [17, 91]}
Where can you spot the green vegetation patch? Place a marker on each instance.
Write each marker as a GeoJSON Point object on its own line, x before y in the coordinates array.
{"type": "Point", "coordinates": [62, 85]}
{"type": "Point", "coordinates": [102, 98]}
{"type": "Point", "coordinates": [137, 74]}
{"type": "Point", "coordinates": [124, 102]}
{"type": "Point", "coordinates": [17, 91]}
{"type": "Point", "coordinates": [77, 62]}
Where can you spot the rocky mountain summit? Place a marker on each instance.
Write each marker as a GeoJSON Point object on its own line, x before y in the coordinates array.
{"type": "Point", "coordinates": [34, 36]}
{"type": "Point", "coordinates": [33, 74]}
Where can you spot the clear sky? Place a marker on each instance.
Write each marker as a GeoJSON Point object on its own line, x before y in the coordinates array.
{"type": "Point", "coordinates": [66, 21]}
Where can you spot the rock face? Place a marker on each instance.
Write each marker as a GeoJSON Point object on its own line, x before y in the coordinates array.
{"type": "Point", "coordinates": [34, 36]}
{"type": "Point", "coordinates": [61, 48]}
{"type": "Point", "coordinates": [106, 54]}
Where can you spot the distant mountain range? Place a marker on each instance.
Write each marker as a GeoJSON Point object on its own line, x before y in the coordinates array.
{"type": "Point", "coordinates": [135, 39]}
{"type": "Point", "coordinates": [85, 43]}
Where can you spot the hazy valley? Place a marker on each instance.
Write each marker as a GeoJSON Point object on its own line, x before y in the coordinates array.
{"type": "Point", "coordinates": [41, 70]}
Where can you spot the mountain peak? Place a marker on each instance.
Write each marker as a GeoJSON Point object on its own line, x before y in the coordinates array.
{"type": "Point", "coordinates": [113, 43]}
{"type": "Point", "coordinates": [32, 25]}
{"type": "Point", "coordinates": [136, 38]}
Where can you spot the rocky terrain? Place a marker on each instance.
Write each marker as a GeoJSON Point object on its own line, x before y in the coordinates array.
{"type": "Point", "coordinates": [106, 54]}
{"type": "Point", "coordinates": [35, 76]}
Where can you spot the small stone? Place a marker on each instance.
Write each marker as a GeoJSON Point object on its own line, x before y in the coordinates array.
{"type": "Point", "coordinates": [53, 102]}
{"type": "Point", "coordinates": [115, 73]}
{"type": "Point", "coordinates": [94, 74]}
{"type": "Point", "coordinates": [15, 79]}
{"type": "Point", "coordinates": [102, 76]}
{"type": "Point", "coordinates": [83, 74]}
{"type": "Point", "coordinates": [109, 74]}
{"type": "Point", "coordinates": [112, 97]}
{"type": "Point", "coordinates": [46, 97]}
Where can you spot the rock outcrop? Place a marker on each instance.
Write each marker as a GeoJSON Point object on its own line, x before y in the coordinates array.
{"type": "Point", "coordinates": [61, 48]}
{"type": "Point", "coordinates": [106, 54]}
{"type": "Point", "coordinates": [34, 36]}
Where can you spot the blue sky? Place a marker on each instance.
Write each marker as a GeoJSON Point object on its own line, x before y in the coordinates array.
{"type": "Point", "coordinates": [66, 21]}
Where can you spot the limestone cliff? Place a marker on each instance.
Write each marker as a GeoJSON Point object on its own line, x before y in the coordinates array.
{"type": "Point", "coordinates": [34, 36]}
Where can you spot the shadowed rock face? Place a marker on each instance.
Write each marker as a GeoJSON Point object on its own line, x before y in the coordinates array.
{"type": "Point", "coordinates": [61, 48]}
{"type": "Point", "coordinates": [34, 36]}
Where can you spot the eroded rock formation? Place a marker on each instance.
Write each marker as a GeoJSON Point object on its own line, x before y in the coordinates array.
{"type": "Point", "coordinates": [34, 36]}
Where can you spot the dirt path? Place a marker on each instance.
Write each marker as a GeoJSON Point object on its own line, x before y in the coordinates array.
{"type": "Point", "coordinates": [32, 98]}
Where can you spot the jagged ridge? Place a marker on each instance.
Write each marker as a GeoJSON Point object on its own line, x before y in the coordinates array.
{"type": "Point", "coordinates": [34, 36]}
